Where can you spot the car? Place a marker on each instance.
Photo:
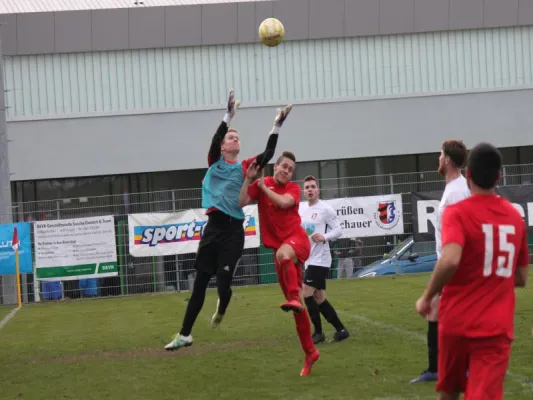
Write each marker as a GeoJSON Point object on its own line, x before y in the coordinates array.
{"type": "Point", "coordinates": [408, 257]}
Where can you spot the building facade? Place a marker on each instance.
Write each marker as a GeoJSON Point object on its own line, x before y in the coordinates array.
{"type": "Point", "coordinates": [122, 96]}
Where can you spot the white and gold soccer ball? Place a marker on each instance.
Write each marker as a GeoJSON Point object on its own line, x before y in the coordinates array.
{"type": "Point", "coordinates": [271, 32]}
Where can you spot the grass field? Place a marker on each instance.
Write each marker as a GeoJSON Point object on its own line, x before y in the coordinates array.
{"type": "Point", "coordinates": [112, 348]}
{"type": "Point", "coordinates": [4, 310]}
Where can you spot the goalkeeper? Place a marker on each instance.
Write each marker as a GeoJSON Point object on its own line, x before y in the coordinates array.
{"type": "Point", "coordinates": [222, 243]}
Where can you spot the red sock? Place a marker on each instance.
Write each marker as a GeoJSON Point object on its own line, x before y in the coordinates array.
{"type": "Point", "coordinates": [291, 279]}
{"type": "Point", "coordinates": [303, 327]}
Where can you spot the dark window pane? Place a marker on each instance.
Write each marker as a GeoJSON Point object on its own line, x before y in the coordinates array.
{"type": "Point", "coordinates": [329, 184]}
{"type": "Point", "coordinates": [305, 168]}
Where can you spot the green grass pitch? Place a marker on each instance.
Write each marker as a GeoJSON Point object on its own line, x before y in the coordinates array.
{"type": "Point", "coordinates": [113, 348]}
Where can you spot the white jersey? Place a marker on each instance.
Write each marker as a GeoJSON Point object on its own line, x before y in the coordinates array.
{"type": "Point", "coordinates": [454, 192]}
{"type": "Point", "coordinates": [320, 218]}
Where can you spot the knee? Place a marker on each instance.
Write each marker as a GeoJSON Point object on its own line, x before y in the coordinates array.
{"type": "Point", "coordinates": [308, 291]}
{"type": "Point", "coordinates": [319, 296]}
{"type": "Point", "coordinates": [282, 256]}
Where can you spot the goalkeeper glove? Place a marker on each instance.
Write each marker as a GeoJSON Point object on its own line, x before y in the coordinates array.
{"type": "Point", "coordinates": [231, 107]}
{"type": "Point", "coordinates": [281, 116]}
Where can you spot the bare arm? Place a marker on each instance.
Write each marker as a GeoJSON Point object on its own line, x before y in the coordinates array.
{"type": "Point", "coordinates": [445, 269]}
{"type": "Point", "coordinates": [244, 198]}
{"type": "Point", "coordinates": [281, 200]}
{"type": "Point", "coordinates": [522, 269]}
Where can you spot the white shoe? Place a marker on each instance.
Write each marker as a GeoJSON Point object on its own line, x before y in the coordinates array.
{"type": "Point", "coordinates": [178, 342]}
{"type": "Point", "coordinates": [216, 319]}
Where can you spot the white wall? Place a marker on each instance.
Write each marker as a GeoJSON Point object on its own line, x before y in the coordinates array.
{"type": "Point", "coordinates": [171, 141]}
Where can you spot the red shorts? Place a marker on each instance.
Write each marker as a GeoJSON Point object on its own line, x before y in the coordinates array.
{"type": "Point", "coordinates": [484, 359]}
{"type": "Point", "coordinates": [301, 245]}
{"type": "Point", "coordinates": [302, 248]}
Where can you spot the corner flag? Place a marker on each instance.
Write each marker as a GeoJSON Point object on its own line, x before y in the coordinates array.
{"type": "Point", "coordinates": [15, 243]}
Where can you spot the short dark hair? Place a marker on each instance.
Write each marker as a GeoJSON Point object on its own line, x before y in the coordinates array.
{"type": "Point", "coordinates": [310, 178]}
{"type": "Point", "coordinates": [484, 164]}
{"type": "Point", "coordinates": [286, 154]}
{"type": "Point", "coordinates": [456, 150]}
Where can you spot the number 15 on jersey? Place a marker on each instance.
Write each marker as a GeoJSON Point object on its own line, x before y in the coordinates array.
{"type": "Point", "coordinates": [503, 247]}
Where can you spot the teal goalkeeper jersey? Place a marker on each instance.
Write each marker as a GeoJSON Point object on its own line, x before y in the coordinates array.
{"type": "Point", "coordinates": [222, 185]}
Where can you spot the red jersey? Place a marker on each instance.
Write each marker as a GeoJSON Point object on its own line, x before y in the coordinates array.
{"type": "Point", "coordinates": [277, 224]}
{"type": "Point", "coordinates": [479, 301]}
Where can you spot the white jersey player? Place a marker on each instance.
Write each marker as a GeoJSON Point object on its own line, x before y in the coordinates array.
{"type": "Point", "coordinates": [322, 225]}
{"type": "Point", "coordinates": [452, 158]}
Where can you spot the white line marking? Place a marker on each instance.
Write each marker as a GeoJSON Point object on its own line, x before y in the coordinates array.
{"type": "Point", "coordinates": [525, 381]}
{"type": "Point", "coordinates": [8, 317]}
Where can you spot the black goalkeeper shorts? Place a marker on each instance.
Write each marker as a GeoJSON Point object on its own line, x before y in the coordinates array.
{"type": "Point", "coordinates": [222, 244]}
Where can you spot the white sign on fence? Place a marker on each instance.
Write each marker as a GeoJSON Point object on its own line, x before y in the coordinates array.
{"type": "Point", "coordinates": [161, 234]}
{"type": "Point", "coordinates": [71, 249]}
{"type": "Point", "coordinates": [369, 216]}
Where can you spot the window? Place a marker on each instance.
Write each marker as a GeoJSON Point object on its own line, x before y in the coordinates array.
{"type": "Point", "coordinates": [357, 177]}
{"type": "Point", "coordinates": [305, 168]}
{"type": "Point", "coordinates": [428, 162]}
{"type": "Point", "coordinates": [329, 182]}
{"type": "Point", "coordinates": [509, 155]}
{"type": "Point", "coordinates": [525, 154]}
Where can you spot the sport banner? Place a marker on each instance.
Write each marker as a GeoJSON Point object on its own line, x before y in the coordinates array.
{"type": "Point", "coordinates": [425, 206]}
{"type": "Point", "coordinates": [71, 249]}
{"type": "Point", "coordinates": [162, 234]}
{"type": "Point", "coordinates": [369, 216]}
{"type": "Point", "coordinates": [7, 254]}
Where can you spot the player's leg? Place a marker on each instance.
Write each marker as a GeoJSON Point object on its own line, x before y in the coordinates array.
{"type": "Point", "coordinates": [309, 291]}
{"type": "Point", "coordinates": [205, 267]}
{"type": "Point", "coordinates": [489, 359]}
{"type": "Point", "coordinates": [230, 252]}
{"type": "Point", "coordinates": [325, 307]}
{"type": "Point", "coordinates": [430, 374]}
{"type": "Point", "coordinates": [298, 252]}
{"type": "Point", "coordinates": [287, 261]}
{"type": "Point", "coordinates": [330, 314]}
{"type": "Point", "coordinates": [453, 365]}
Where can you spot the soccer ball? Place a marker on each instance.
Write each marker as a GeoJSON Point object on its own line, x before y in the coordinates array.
{"type": "Point", "coordinates": [271, 32]}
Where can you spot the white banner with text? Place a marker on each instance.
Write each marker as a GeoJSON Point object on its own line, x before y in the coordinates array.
{"type": "Point", "coordinates": [369, 216]}
{"type": "Point", "coordinates": [162, 234]}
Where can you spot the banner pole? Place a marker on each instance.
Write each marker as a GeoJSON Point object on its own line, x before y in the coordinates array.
{"type": "Point", "coordinates": [17, 272]}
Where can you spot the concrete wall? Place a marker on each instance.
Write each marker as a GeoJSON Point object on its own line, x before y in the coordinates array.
{"type": "Point", "coordinates": [191, 25]}
{"type": "Point", "coordinates": [8, 293]}
{"type": "Point", "coordinates": [172, 141]}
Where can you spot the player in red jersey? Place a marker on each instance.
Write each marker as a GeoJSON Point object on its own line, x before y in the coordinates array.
{"type": "Point", "coordinates": [484, 256]}
{"type": "Point", "coordinates": [278, 201]}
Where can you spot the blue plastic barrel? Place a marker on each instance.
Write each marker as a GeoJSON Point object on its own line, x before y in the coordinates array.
{"type": "Point", "coordinates": [51, 290]}
{"type": "Point", "coordinates": [89, 287]}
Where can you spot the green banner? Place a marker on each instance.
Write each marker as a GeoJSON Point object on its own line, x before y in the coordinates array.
{"type": "Point", "coordinates": [79, 271]}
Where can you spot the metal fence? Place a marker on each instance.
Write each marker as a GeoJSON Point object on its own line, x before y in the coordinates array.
{"type": "Point", "coordinates": [176, 273]}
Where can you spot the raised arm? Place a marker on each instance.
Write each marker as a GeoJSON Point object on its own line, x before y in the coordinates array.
{"type": "Point", "coordinates": [281, 114]}
{"type": "Point", "coordinates": [249, 190]}
{"type": "Point", "coordinates": [214, 150]}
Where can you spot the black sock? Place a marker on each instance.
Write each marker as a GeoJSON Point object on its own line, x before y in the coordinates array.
{"type": "Point", "coordinates": [196, 302]}
{"type": "Point", "coordinates": [224, 291]}
{"type": "Point", "coordinates": [314, 313]}
{"type": "Point", "coordinates": [330, 314]}
{"type": "Point", "coordinates": [433, 342]}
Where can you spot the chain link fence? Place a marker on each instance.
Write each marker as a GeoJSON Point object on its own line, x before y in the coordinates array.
{"type": "Point", "coordinates": [176, 273]}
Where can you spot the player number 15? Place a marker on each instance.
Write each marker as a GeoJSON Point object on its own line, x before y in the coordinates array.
{"type": "Point", "coordinates": [504, 267]}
